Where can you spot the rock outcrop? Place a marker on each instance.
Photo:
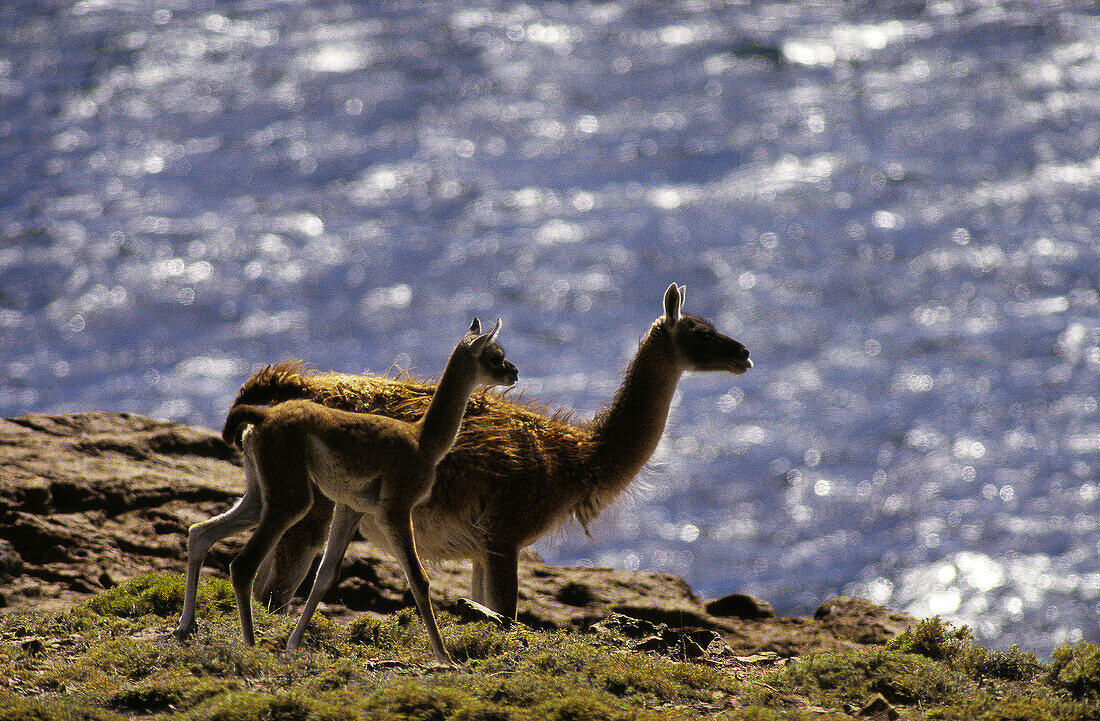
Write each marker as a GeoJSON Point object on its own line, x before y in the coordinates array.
{"type": "Point", "coordinates": [88, 500]}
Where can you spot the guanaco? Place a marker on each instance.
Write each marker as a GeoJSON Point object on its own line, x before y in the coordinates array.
{"type": "Point", "coordinates": [516, 471]}
{"type": "Point", "coordinates": [373, 468]}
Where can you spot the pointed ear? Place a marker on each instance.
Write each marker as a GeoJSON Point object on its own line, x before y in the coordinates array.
{"type": "Point", "coordinates": [475, 327]}
{"type": "Point", "coordinates": [478, 344]}
{"type": "Point", "coordinates": [496, 329]}
{"type": "Point", "coordinates": [683, 294]}
{"type": "Point", "coordinates": [673, 301]}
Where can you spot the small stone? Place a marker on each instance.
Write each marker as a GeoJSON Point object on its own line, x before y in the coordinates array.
{"type": "Point", "coordinates": [879, 709]}
{"type": "Point", "coordinates": [471, 611]}
{"type": "Point", "coordinates": [652, 643]}
{"type": "Point", "coordinates": [627, 625]}
{"type": "Point", "coordinates": [704, 637]}
{"type": "Point", "coordinates": [33, 647]}
{"type": "Point", "coordinates": [761, 658]}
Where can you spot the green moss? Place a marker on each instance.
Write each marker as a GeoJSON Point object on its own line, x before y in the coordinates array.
{"type": "Point", "coordinates": [1077, 670]}
{"type": "Point", "coordinates": [940, 641]}
{"type": "Point", "coordinates": [1010, 665]}
{"type": "Point", "coordinates": [226, 656]}
{"type": "Point", "coordinates": [768, 714]}
{"type": "Point", "coordinates": [625, 674]}
{"type": "Point", "coordinates": [478, 640]}
{"type": "Point", "coordinates": [243, 706]}
{"type": "Point", "coordinates": [295, 706]}
{"type": "Point", "coordinates": [414, 700]}
{"type": "Point", "coordinates": [162, 595]}
{"type": "Point", "coordinates": [576, 707]}
{"type": "Point", "coordinates": [831, 679]}
{"type": "Point", "coordinates": [1015, 707]}
{"type": "Point", "coordinates": [16, 708]}
{"type": "Point", "coordinates": [255, 706]}
{"type": "Point", "coordinates": [169, 690]}
{"type": "Point", "coordinates": [515, 685]}
{"type": "Point", "coordinates": [72, 623]}
{"type": "Point", "coordinates": [114, 658]}
{"type": "Point", "coordinates": [383, 635]}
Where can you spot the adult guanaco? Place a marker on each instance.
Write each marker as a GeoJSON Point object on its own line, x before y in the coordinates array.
{"type": "Point", "coordinates": [516, 471]}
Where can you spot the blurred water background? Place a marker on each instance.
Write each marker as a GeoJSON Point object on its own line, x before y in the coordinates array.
{"type": "Point", "coordinates": [893, 204]}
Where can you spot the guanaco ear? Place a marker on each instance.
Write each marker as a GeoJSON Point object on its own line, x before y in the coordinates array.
{"type": "Point", "coordinates": [496, 329]}
{"type": "Point", "coordinates": [674, 298]}
{"type": "Point", "coordinates": [479, 343]}
{"type": "Point", "coordinates": [475, 327]}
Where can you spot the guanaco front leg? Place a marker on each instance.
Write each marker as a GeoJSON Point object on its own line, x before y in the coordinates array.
{"type": "Point", "coordinates": [477, 580]}
{"type": "Point", "coordinates": [501, 580]}
{"type": "Point", "coordinates": [344, 523]}
{"type": "Point", "coordinates": [398, 527]}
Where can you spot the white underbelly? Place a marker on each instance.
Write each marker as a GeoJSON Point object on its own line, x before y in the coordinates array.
{"type": "Point", "coordinates": [437, 536]}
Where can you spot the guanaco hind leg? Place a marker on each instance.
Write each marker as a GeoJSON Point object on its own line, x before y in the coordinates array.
{"type": "Point", "coordinates": [201, 536]}
{"type": "Point", "coordinates": [345, 521]}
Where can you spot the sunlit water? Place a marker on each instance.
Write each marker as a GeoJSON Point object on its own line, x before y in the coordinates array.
{"type": "Point", "coordinates": [892, 204]}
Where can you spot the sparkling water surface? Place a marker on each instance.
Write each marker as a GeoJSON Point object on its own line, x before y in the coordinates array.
{"type": "Point", "coordinates": [893, 205]}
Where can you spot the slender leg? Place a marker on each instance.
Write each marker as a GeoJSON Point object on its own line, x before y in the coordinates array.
{"type": "Point", "coordinates": [399, 530]}
{"type": "Point", "coordinates": [502, 580]}
{"type": "Point", "coordinates": [201, 536]}
{"type": "Point", "coordinates": [345, 521]}
{"type": "Point", "coordinates": [477, 580]}
{"type": "Point", "coordinates": [273, 524]}
{"type": "Point", "coordinates": [284, 570]}
{"type": "Point", "coordinates": [269, 588]}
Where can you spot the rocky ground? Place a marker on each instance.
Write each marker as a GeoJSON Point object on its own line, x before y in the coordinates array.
{"type": "Point", "coordinates": [90, 500]}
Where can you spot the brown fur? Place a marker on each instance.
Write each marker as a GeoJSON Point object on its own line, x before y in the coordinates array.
{"type": "Point", "coordinates": [517, 471]}
{"type": "Point", "coordinates": [375, 468]}
{"type": "Point", "coordinates": [524, 437]}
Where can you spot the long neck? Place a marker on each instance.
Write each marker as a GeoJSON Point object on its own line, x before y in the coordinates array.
{"type": "Point", "coordinates": [440, 425]}
{"type": "Point", "coordinates": [628, 432]}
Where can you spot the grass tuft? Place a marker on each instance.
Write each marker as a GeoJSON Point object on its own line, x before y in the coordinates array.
{"type": "Point", "coordinates": [1077, 670]}
{"type": "Point", "coordinates": [852, 677]}
{"type": "Point", "coordinates": [933, 638]}
{"type": "Point", "coordinates": [161, 595]}
{"type": "Point", "coordinates": [481, 640]}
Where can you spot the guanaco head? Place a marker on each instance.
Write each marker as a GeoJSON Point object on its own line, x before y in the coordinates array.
{"type": "Point", "coordinates": [699, 347]}
{"type": "Point", "coordinates": [488, 355]}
